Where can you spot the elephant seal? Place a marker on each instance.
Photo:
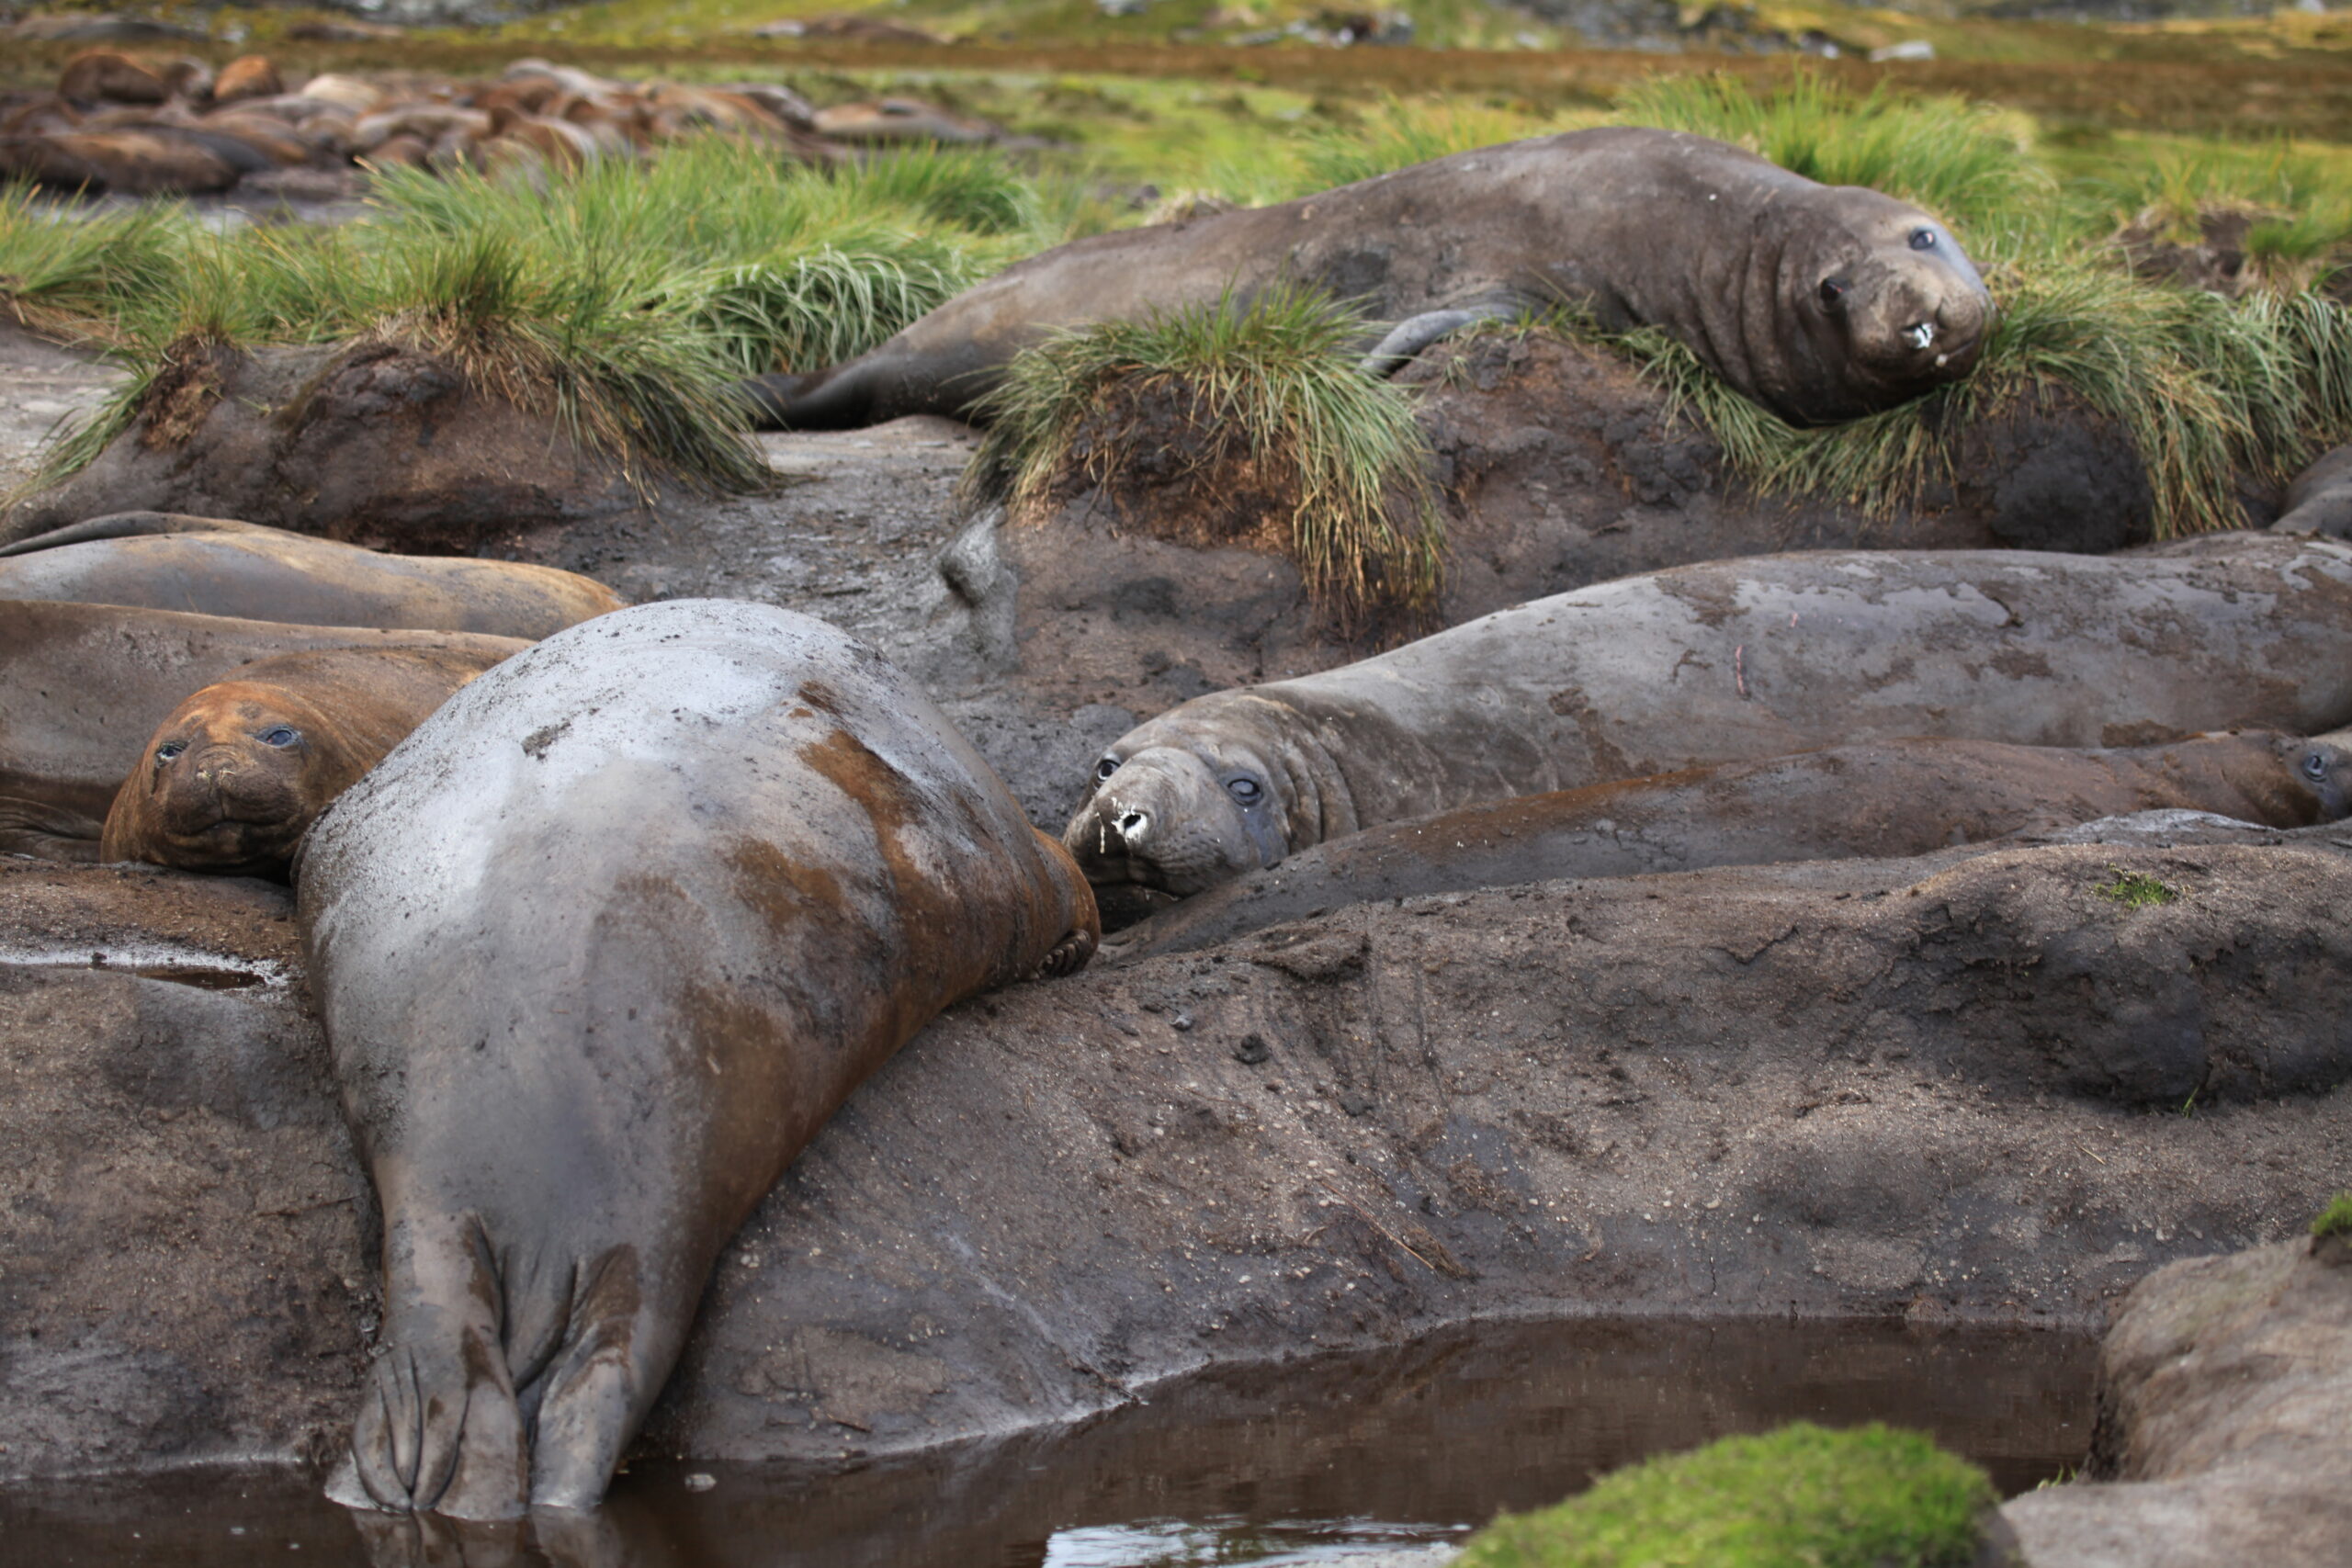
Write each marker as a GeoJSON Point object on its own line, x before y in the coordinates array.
{"type": "Point", "coordinates": [83, 686]}
{"type": "Point", "coordinates": [680, 877]}
{"type": "Point", "coordinates": [2320, 499]}
{"type": "Point", "coordinates": [219, 567]}
{"type": "Point", "coordinates": [1725, 661]}
{"type": "Point", "coordinates": [235, 775]}
{"type": "Point", "coordinates": [1879, 800]}
{"type": "Point", "coordinates": [1820, 302]}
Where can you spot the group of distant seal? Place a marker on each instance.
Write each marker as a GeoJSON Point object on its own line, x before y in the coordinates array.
{"type": "Point", "coordinates": [1820, 302]}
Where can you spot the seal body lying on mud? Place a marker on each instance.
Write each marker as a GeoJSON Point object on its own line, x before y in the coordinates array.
{"type": "Point", "coordinates": [1875, 800]}
{"type": "Point", "coordinates": [236, 775]}
{"type": "Point", "coordinates": [83, 686]}
{"type": "Point", "coordinates": [1820, 302]}
{"type": "Point", "coordinates": [597, 950]}
{"type": "Point", "coordinates": [1728, 662]}
{"type": "Point", "coordinates": [211, 566]}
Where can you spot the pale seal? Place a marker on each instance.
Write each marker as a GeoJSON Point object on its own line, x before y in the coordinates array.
{"type": "Point", "coordinates": [598, 948]}
{"type": "Point", "coordinates": [1728, 662]}
{"type": "Point", "coordinates": [1820, 302]}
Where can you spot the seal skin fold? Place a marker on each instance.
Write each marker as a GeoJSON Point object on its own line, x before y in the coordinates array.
{"type": "Point", "coordinates": [597, 950]}
{"type": "Point", "coordinates": [1729, 661]}
{"type": "Point", "coordinates": [1820, 302]}
{"type": "Point", "coordinates": [234, 777]}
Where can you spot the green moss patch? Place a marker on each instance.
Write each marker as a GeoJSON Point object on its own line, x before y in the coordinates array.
{"type": "Point", "coordinates": [2136, 890]}
{"type": "Point", "coordinates": [1799, 1497]}
{"type": "Point", "coordinates": [2335, 1219]}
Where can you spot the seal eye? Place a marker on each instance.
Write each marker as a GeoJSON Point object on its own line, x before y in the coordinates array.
{"type": "Point", "coordinates": [1832, 291]}
{"type": "Point", "coordinates": [280, 736]}
{"type": "Point", "coordinates": [2315, 766]}
{"type": "Point", "coordinates": [169, 750]}
{"type": "Point", "coordinates": [1923, 239]}
{"type": "Point", "coordinates": [1245, 790]}
{"type": "Point", "coordinates": [1107, 767]}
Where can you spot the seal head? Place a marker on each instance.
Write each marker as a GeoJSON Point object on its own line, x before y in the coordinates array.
{"type": "Point", "coordinates": [1887, 307]}
{"type": "Point", "coordinates": [2322, 764]}
{"type": "Point", "coordinates": [231, 782]}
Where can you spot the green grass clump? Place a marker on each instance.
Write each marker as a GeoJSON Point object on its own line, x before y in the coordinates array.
{"type": "Point", "coordinates": [2335, 1219]}
{"type": "Point", "coordinates": [63, 271]}
{"type": "Point", "coordinates": [2136, 890]}
{"type": "Point", "coordinates": [1970, 164]}
{"type": "Point", "coordinates": [1799, 1497]}
{"type": "Point", "coordinates": [1273, 383]}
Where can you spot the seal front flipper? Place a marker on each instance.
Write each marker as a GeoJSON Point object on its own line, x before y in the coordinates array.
{"type": "Point", "coordinates": [1078, 945]}
{"type": "Point", "coordinates": [840, 398]}
{"type": "Point", "coordinates": [1414, 333]}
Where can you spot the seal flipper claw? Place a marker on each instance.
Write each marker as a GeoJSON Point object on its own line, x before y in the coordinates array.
{"type": "Point", "coordinates": [1070, 955]}
{"type": "Point", "coordinates": [1414, 333]}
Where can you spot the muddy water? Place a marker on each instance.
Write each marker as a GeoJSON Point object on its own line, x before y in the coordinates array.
{"type": "Point", "coordinates": [1361, 1459]}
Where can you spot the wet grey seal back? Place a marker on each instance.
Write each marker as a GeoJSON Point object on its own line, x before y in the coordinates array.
{"type": "Point", "coordinates": [1820, 302]}
{"type": "Point", "coordinates": [598, 948]}
{"type": "Point", "coordinates": [1731, 660]}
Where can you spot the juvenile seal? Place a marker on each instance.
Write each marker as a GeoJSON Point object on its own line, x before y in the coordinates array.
{"type": "Point", "coordinates": [680, 877]}
{"type": "Point", "coordinates": [1732, 660]}
{"type": "Point", "coordinates": [219, 567]}
{"type": "Point", "coordinates": [235, 775]}
{"type": "Point", "coordinates": [82, 686]}
{"type": "Point", "coordinates": [1878, 800]}
{"type": "Point", "coordinates": [1820, 302]}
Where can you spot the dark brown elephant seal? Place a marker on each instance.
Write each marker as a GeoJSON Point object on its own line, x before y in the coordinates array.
{"type": "Point", "coordinates": [1728, 662]}
{"type": "Point", "coordinates": [1820, 302]}
{"type": "Point", "coordinates": [1879, 800]}
{"type": "Point", "coordinates": [680, 876]}
{"type": "Point", "coordinates": [234, 777]}
{"type": "Point", "coordinates": [218, 567]}
{"type": "Point", "coordinates": [83, 686]}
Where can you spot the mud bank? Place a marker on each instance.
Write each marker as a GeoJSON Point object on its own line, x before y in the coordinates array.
{"type": "Point", "coordinates": [1955, 1090]}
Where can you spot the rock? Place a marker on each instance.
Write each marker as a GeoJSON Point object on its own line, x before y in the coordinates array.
{"type": "Point", "coordinates": [2225, 1423]}
{"type": "Point", "coordinates": [367, 443]}
{"type": "Point", "coordinates": [1917, 1089]}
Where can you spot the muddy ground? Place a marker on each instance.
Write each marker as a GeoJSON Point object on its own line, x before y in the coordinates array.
{"type": "Point", "coordinates": [1961, 1090]}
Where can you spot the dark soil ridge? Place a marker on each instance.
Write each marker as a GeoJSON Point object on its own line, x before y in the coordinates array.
{"type": "Point", "coordinates": [1938, 1091]}
{"type": "Point", "coordinates": [366, 442]}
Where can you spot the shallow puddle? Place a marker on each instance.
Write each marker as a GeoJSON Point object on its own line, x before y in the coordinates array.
{"type": "Point", "coordinates": [179, 966]}
{"type": "Point", "coordinates": [1363, 1459]}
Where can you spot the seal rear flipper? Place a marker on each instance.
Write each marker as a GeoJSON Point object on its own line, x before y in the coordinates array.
{"type": "Point", "coordinates": [836, 399]}
{"type": "Point", "coordinates": [616, 1351]}
{"type": "Point", "coordinates": [1414, 333]}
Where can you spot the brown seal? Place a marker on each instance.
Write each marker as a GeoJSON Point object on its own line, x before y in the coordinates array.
{"type": "Point", "coordinates": [236, 775]}
{"type": "Point", "coordinates": [597, 952]}
{"type": "Point", "coordinates": [1820, 302]}
{"type": "Point", "coordinates": [1728, 661]}
{"type": "Point", "coordinates": [82, 686]}
{"type": "Point", "coordinates": [211, 566]}
{"type": "Point", "coordinates": [1877, 800]}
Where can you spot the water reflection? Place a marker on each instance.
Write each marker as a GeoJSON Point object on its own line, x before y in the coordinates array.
{"type": "Point", "coordinates": [1238, 1465]}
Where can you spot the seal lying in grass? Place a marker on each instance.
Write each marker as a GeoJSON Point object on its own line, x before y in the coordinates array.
{"type": "Point", "coordinates": [236, 775]}
{"type": "Point", "coordinates": [597, 950]}
{"type": "Point", "coordinates": [214, 566]}
{"type": "Point", "coordinates": [1877, 800]}
{"type": "Point", "coordinates": [1820, 302]}
{"type": "Point", "coordinates": [83, 686]}
{"type": "Point", "coordinates": [1731, 660]}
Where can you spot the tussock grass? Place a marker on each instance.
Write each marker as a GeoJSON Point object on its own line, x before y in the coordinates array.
{"type": "Point", "coordinates": [1871, 1497]}
{"type": "Point", "coordinates": [623, 298]}
{"type": "Point", "coordinates": [1400, 133]}
{"type": "Point", "coordinates": [2335, 1219]}
{"type": "Point", "coordinates": [1970, 165]}
{"type": "Point", "coordinates": [1272, 383]}
{"type": "Point", "coordinates": [73, 275]}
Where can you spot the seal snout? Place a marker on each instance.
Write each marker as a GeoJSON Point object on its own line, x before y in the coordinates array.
{"type": "Point", "coordinates": [1163, 818]}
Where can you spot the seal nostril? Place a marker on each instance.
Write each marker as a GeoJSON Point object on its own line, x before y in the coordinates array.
{"type": "Point", "coordinates": [1132, 823]}
{"type": "Point", "coordinates": [1920, 335]}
